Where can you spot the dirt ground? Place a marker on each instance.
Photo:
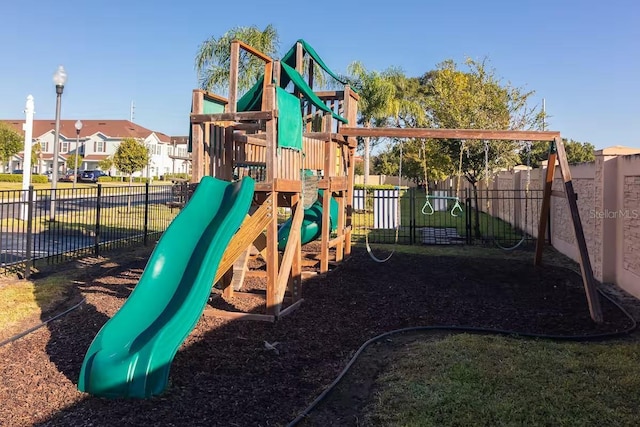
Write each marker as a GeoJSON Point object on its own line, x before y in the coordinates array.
{"type": "Point", "coordinates": [244, 373]}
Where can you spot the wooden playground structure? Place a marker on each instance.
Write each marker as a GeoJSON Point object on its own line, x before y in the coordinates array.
{"type": "Point", "coordinates": [229, 144]}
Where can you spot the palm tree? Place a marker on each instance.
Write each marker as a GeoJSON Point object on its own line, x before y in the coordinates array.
{"type": "Point", "coordinates": [213, 57]}
{"type": "Point", "coordinates": [377, 93]}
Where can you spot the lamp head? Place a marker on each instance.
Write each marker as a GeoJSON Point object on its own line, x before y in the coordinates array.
{"type": "Point", "coordinates": [60, 76]}
{"type": "Point", "coordinates": [78, 126]}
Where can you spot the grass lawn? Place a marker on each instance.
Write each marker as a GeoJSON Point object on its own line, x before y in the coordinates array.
{"type": "Point", "coordinates": [482, 380]}
{"type": "Point", "coordinates": [23, 299]}
{"type": "Point", "coordinates": [111, 220]}
{"type": "Point", "coordinates": [22, 302]}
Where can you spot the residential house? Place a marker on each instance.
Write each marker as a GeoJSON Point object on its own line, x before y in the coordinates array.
{"type": "Point", "coordinates": [99, 140]}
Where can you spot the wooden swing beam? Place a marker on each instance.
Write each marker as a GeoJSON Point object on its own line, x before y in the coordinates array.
{"type": "Point", "coordinates": [556, 153]}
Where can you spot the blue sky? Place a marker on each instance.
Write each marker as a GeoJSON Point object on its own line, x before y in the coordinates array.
{"type": "Point", "coordinates": [583, 57]}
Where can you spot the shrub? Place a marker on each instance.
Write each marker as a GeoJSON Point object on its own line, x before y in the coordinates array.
{"type": "Point", "coordinates": [35, 179]}
{"type": "Point", "coordinates": [170, 176]}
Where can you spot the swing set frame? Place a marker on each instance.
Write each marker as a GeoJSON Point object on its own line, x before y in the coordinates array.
{"type": "Point", "coordinates": [557, 153]}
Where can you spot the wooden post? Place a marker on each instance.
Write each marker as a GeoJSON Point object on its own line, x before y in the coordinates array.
{"type": "Point", "coordinates": [233, 76]}
{"type": "Point", "coordinates": [351, 114]}
{"type": "Point", "coordinates": [546, 203]}
{"type": "Point", "coordinates": [340, 221]}
{"type": "Point", "coordinates": [309, 109]}
{"type": "Point", "coordinates": [209, 142]}
{"type": "Point", "coordinates": [295, 280]}
{"type": "Point", "coordinates": [273, 305]}
{"type": "Point", "coordinates": [276, 73]}
{"type": "Point", "coordinates": [585, 263]}
{"type": "Point", "coordinates": [197, 137]}
{"type": "Point", "coordinates": [299, 66]}
{"type": "Point", "coordinates": [269, 96]}
{"type": "Point", "coordinates": [227, 152]}
{"type": "Point", "coordinates": [329, 168]}
{"type": "Point", "coordinates": [269, 103]}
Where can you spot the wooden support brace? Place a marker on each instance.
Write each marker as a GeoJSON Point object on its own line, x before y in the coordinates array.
{"type": "Point", "coordinates": [239, 315]}
{"type": "Point", "coordinates": [585, 263]}
{"type": "Point", "coordinates": [546, 204]}
{"type": "Point", "coordinates": [293, 243]}
{"type": "Point", "coordinates": [251, 228]}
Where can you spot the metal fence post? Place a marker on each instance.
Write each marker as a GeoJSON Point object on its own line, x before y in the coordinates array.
{"type": "Point", "coordinates": [27, 253]}
{"type": "Point", "coordinates": [96, 248]}
{"type": "Point", "coordinates": [146, 213]}
{"type": "Point", "coordinates": [468, 216]}
{"type": "Point", "coordinates": [412, 215]}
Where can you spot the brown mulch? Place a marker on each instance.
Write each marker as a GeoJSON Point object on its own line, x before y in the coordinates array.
{"type": "Point", "coordinates": [224, 374]}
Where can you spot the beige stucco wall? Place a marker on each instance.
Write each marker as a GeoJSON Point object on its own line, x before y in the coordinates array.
{"type": "Point", "coordinates": [608, 202]}
{"type": "Point", "coordinates": [562, 231]}
{"type": "Point", "coordinates": [627, 221]}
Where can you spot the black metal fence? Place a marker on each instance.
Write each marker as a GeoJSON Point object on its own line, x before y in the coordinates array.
{"type": "Point", "coordinates": [504, 218]}
{"type": "Point", "coordinates": [52, 226]}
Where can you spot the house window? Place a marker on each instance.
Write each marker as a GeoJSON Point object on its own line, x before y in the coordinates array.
{"type": "Point", "coordinates": [44, 146]}
{"type": "Point", "coordinates": [64, 147]}
{"type": "Point", "coordinates": [99, 147]}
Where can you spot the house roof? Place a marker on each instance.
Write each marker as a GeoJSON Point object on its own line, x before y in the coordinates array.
{"type": "Point", "coordinates": [109, 128]}
{"type": "Point", "coordinates": [179, 140]}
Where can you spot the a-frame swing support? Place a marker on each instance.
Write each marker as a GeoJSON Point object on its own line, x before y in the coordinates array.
{"type": "Point", "coordinates": [557, 152]}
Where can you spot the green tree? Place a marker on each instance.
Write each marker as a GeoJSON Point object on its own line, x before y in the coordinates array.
{"type": "Point", "coordinates": [11, 142]}
{"type": "Point", "coordinates": [214, 57]}
{"type": "Point", "coordinates": [36, 152]}
{"type": "Point", "coordinates": [71, 161]}
{"type": "Point", "coordinates": [105, 164]}
{"type": "Point", "coordinates": [131, 156]}
{"type": "Point", "coordinates": [478, 99]}
{"type": "Point", "coordinates": [579, 152]}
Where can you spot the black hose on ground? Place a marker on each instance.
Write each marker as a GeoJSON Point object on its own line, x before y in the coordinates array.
{"type": "Point", "coordinates": [35, 328]}
{"type": "Point", "coordinates": [461, 329]}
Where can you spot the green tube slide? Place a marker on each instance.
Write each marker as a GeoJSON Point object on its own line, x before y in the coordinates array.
{"type": "Point", "coordinates": [131, 355]}
{"type": "Point", "coordinates": [311, 223]}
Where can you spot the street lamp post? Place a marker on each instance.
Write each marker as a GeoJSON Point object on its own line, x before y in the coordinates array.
{"type": "Point", "coordinates": [78, 126]}
{"type": "Point", "coordinates": [59, 79]}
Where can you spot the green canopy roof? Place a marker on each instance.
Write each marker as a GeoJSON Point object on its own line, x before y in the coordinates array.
{"type": "Point", "coordinates": [252, 100]}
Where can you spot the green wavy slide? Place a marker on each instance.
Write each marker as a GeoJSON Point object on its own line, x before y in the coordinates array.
{"type": "Point", "coordinates": [131, 355]}
{"type": "Point", "coordinates": [311, 228]}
